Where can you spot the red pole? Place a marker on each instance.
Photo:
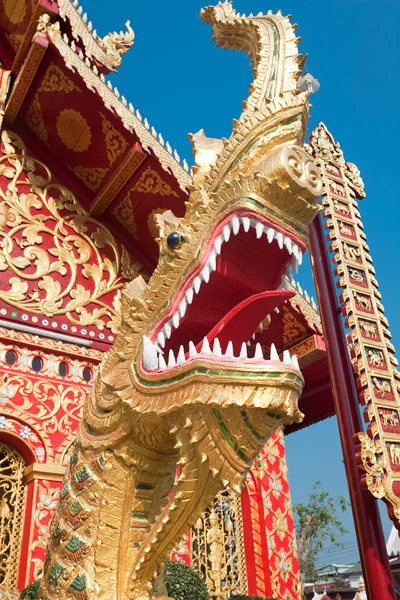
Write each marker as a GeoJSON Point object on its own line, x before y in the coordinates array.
{"type": "Point", "coordinates": [371, 542]}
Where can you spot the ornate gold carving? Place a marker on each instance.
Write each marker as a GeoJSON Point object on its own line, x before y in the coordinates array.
{"type": "Point", "coordinates": [293, 330]}
{"type": "Point", "coordinates": [152, 222]}
{"type": "Point", "coordinates": [15, 10]}
{"type": "Point", "coordinates": [73, 242]}
{"type": "Point", "coordinates": [373, 354]}
{"type": "Point", "coordinates": [115, 141]}
{"type": "Point", "coordinates": [26, 73]}
{"type": "Point", "coordinates": [73, 130]}
{"type": "Point", "coordinates": [92, 177]}
{"type": "Point", "coordinates": [93, 43]}
{"type": "Point", "coordinates": [217, 547]}
{"type": "Point", "coordinates": [124, 214]}
{"type": "Point", "coordinates": [56, 406]}
{"type": "Point", "coordinates": [54, 80]}
{"type": "Point", "coordinates": [12, 503]}
{"type": "Point", "coordinates": [119, 177]}
{"type": "Point", "coordinates": [117, 44]}
{"type": "Point", "coordinates": [45, 343]}
{"type": "Point", "coordinates": [128, 118]}
{"type": "Point", "coordinates": [210, 416]}
{"type": "Point", "coordinates": [150, 182]}
{"type": "Point", "coordinates": [116, 145]}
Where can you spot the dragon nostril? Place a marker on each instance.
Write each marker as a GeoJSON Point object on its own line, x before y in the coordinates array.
{"type": "Point", "coordinates": [174, 240]}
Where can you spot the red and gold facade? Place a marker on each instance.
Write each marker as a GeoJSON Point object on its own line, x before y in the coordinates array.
{"type": "Point", "coordinates": [82, 176]}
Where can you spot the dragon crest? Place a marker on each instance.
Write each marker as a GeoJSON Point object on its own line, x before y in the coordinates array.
{"type": "Point", "coordinates": [180, 407]}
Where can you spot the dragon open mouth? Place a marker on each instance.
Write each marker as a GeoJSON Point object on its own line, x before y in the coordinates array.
{"type": "Point", "coordinates": [227, 297]}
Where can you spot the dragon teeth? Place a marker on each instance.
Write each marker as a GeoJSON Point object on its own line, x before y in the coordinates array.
{"type": "Point", "coordinates": [189, 295]}
{"type": "Point", "coordinates": [205, 348]}
{"type": "Point", "coordinates": [235, 225]}
{"type": "Point", "coordinates": [153, 358]}
{"type": "Point", "coordinates": [229, 350]}
{"type": "Point", "coordinates": [273, 353]}
{"type": "Point", "coordinates": [181, 356]}
{"type": "Point", "coordinates": [171, 359]}
{"type": "Point", "coordinates": [217, 348]}
{"type": "Point", "coordinates": [231, 228]}
{"type": "Point", "coordinates": [246, 223]}
{"type": "Point", "coordinates": [161, 339]}
{"type": "Point", "coordinates": [258, 352]}
{"type": "Point", "coordinates": [150, 355]}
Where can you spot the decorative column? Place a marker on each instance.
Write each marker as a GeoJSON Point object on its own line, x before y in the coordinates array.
{"type": "Point", "coordinates": [43, 483]}
{"type": "Point", "coordinates": [341, 184]}
{"type": "Point", "coordinates": [278, 520]}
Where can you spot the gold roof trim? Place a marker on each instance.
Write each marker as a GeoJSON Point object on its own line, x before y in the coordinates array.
{"type": "Point", "coordinates": [113, 100]}
{"type": "Point", "coordinates": [96, 47]}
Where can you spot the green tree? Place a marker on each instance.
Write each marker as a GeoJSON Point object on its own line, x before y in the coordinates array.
{"type": "Point", "coordinates": [183, 582]}
{"type": "Point", "coordinates": [316, 522]}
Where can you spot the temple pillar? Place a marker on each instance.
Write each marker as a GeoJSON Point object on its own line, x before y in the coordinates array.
{"type": "Point", "coordinates": [371, 543]}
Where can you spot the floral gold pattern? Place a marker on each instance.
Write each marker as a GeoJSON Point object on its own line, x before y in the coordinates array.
{"type": "Point", "coordinates": [48, 243]}
{"type": "Point", "coordinates": [115, 142]}
{"type": "Point", "coordinates": [92, 177]}
{"type": "Point", "coordinates": [73, 130]}
{"type": "Point", "coordinates": [116, 145]}
{"type": "Point", "coordinates": [293, 330]}
{"type": "Point", "coordinates": [150, 182]}
{"type": "Point", "coordinates": [12, 501]}
{"type": "Point", "coordinates": [54, 80]}
{"type": "Point", "coordinates": [124, 214]}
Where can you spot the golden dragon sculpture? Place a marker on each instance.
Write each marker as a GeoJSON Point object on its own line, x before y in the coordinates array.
{"type": "Point", "coordinates": [180, 409]}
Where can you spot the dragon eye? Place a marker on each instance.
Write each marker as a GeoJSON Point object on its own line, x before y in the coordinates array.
{"type": "Point", "coordinates": [174, 240]}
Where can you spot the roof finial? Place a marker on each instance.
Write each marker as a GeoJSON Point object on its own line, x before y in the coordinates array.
{"type": "Point", "coordinates": [117, 44]}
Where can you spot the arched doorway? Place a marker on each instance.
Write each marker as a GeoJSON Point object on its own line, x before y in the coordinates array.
{"type": "Point", "coordinates": [12, 503]}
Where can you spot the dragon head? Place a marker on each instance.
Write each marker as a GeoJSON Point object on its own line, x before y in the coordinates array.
{"type": "Point", "coordinates": [221, 270]}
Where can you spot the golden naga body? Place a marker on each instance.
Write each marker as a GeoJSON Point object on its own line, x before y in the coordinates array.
{"type": "Point", "coordinates": [179, 410]}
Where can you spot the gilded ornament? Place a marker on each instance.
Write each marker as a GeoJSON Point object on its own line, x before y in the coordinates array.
{"type": "Point", "coordinates": [92, 177]}
{"type": "Point", "coordinates": [208, 413]}
{"type": "Point", "coordinates": [117, 44]}
{"type": "Point", "coordinates": [15, 10]}
{"type": "Point", "coordinates": [47, 238]}
{"type": "Point", "coordinates": [124, 214]}
{"type": "Point", "coordinates": [116, 144]}
{"type": "Point", "coordinates": [54, 80]}
{"type": "Point", "coordinates": [378, 453]}
{"type": "Point", "coordinates": [12, 504]}
{"type": "Point", "coordinates": [150, 182]}
{"type": "Point", "coordinates": [73, 130]}
{"type": "Point", "coordinates": [217, 546]}
{"type": "Point", "coordinates": [293, 330]}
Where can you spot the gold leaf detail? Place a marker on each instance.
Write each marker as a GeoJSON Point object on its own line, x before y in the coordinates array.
{"type": "Point", "coordinates": [150, 182]}
{"type": "Point", "coordinates": [51, 246]}
{"type": "Point", "coordinates": [115, 142]}
{"type": "Point", "coordinates": [123, 212]}
{"type": "Point", "coordinates": [91, 176]}
{"type": "Point", "coordinates": [54, 80]}
{"type": "Point", "coordinates": [73, 130]}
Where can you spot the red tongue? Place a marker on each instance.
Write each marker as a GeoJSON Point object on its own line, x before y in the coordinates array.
{"type": "Point", "coordinates": [239, 324]}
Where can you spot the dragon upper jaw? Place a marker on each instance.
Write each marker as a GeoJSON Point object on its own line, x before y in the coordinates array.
{"type": "Point", "coordinates": [225, 341]}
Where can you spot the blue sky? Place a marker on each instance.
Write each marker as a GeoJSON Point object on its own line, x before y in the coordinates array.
{"type": "Point", "coordinates": [177, 79]}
